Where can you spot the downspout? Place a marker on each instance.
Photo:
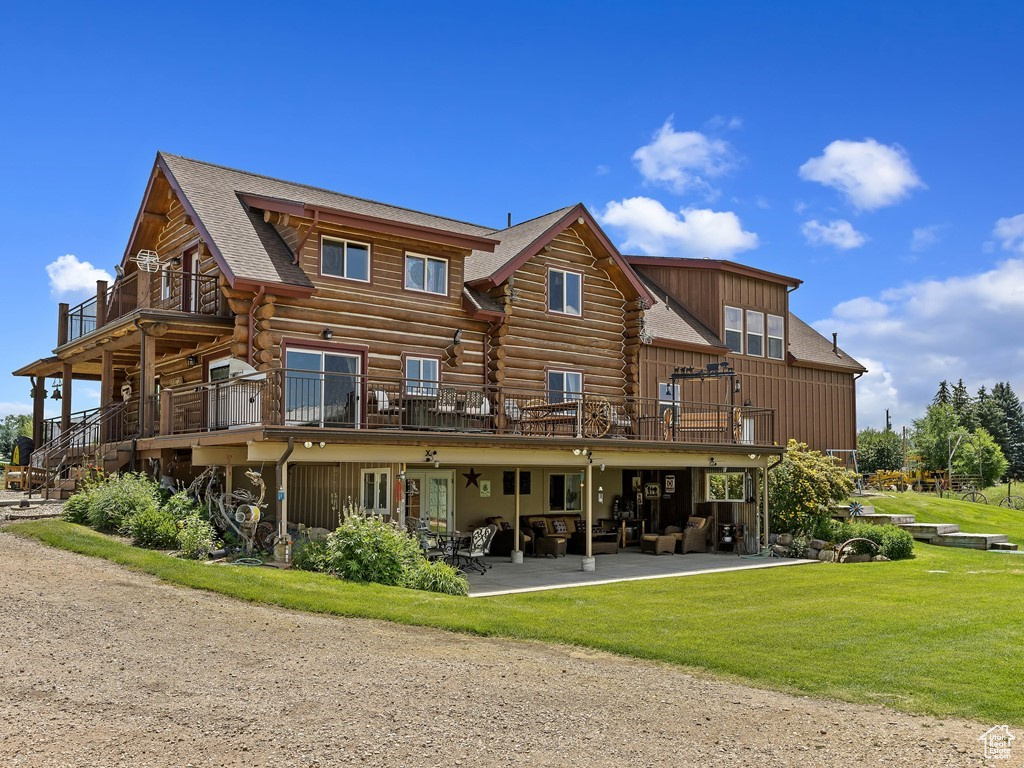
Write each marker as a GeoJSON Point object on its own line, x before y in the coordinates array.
{"type": "Point", "coordinates": [283, 540]}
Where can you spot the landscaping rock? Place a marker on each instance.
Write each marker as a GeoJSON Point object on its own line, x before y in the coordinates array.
{"type": "Point", "coordinates": [855, 558]}
{"type": "Point", "coordinates": [817, 544]}
{"type": "Point", "coordinates": [773, 538]}
{"type": "Point", "coordinates": [827, 556]}
{"type": "Point", "coordinates": [780, 550]}
{"type": "Point", "coordinates": [812, 553]}
{"type": "Point", "coordinates": [880, 559]}
{"type": "Point", "coordinates": [785, 539]}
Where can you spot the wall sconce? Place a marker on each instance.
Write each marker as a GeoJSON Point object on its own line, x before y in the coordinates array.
{"type": "Point", "coordinates": [457, 338]}
{"type": "Point", "coordinates": [600, 494]}
{"type": "Point", "coordinates": [326, 334]}
{"type": "Point", "coordinates": [584, 452]}
{"type": "Point", "coordinates": [736, 385]}
{"type": "Point", "coordinates": [753, 456]}
{"type": "Point", "coordinates": [191, 361]}
{"type": "Point", "coordinates": [309, 444]}
{"type": "Point", "coordinates": [602, 467]}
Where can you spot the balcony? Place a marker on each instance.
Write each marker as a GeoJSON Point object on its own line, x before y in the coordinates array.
{"type": "Point", "coordinates": [340, 401]}
{"type": "Point", "coordinates": [168, 290]}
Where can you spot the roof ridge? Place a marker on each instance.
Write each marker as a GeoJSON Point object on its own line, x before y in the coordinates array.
{"type": "Point", "coordinates": [486, 230]}
{"type": "Point", "coordinates": [535, 218]}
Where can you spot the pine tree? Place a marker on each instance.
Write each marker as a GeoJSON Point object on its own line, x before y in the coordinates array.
{"type": "Point", "coordinates": [962, 406]}
{"type": "Point", "coordinates": [990, 417]}
{"type": "Point", "coordinates": [942, 397]}
{"type": "Point", "coordinates": [1013, 422]}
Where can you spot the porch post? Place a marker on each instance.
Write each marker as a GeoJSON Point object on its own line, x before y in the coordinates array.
{"type": "Point", "coordinates": [589, 564]}
{"type": "Point", "coordinates": [65, 403]}
{"type": "Point", "coordinates": [517, 553]}
{"type": "Point", "coordinates": [38, 403]}
{"type": "Point", "coordinates": [764, 498]}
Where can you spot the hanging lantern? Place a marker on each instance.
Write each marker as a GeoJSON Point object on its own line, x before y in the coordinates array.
{"type": "Point", "coordinates": [56, 390]}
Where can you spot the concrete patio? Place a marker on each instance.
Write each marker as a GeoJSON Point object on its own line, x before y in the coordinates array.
{"type": "Point", "coordinates": [536, 574]}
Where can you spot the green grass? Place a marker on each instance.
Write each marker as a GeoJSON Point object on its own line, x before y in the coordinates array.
{"type": "Point", "coordinates": [970, 516]}
{"type": "Point", "coordinates": [940, 634]}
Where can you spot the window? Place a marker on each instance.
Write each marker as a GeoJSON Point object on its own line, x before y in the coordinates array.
{"type": "Point", "coordinates": [165, 284]}
{"type": "Point", "coordinates": [668, 397]}
{"type": "Point", "coordinates": [344, 258]}
{"type": "Point", "coordinates": [564, 385]}
{"type": "Point", "coordinates": [565, 492]}
{"type": "Point", "coordinates": [734, 329]}
{"type": "Point", "coordinates": [421, 375]}
{"type": "Point", "coordinates": [776, 337]}
{"type": "Point", "coordinates": [565, 290]}
{"type": "Point", "coordinates": [726, 486]}
{"type": "Point", "coordinates": [322, 388]}
{"type": "Point", "coordinates": [426, 273]}
{"type": "Point", "coordinates": [755, 333]}
{"type": "Point", "coordinates": [377, 491]}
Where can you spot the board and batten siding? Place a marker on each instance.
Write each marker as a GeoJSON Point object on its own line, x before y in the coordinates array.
{"type": "Point", "coordinates": [536, 340]}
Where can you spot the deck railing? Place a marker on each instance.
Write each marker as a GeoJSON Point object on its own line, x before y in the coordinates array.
{"type": "Point", "coordinates": [311, 399]}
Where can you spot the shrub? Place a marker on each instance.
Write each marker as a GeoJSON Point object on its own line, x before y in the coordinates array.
{"type": "Point", "coordinates": [117, 498]}
{"type": "Point", "coordinates": [181, 505]}
{"type": "Point", "coordinates": [312, 556]}
{"type": "Point", "coordinates": [196, 537]}
{"type": "Point", "coordinates": [893, 542]}
{"type": "Point", "coordinates": [803, 487]}
{"type": "Point", "coordinates": [436, 576]}
{"type": "Point", "coordinates": [153, 528]}
{"type": "Point", "coordinates": [368, 549]}
{"type": "Point", "coordinates": [76, 509]}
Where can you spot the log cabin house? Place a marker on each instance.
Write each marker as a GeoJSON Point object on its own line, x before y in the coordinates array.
{"type": "Point", "coordinates": [424, 366]}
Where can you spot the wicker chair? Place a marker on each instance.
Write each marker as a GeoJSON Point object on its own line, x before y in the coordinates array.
{"type": "Point", "coordinates": [695, 537]}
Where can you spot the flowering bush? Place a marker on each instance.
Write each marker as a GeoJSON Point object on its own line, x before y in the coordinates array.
{"type": "Point", "coordinates": [803, 487]}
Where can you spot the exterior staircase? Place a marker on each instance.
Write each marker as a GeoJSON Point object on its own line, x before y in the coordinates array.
{"type": "Point", "coordinates": [99, 441]}
{"type": "Point", "coordinates": [940, 534]}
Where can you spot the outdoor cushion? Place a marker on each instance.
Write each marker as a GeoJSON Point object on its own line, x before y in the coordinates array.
{"type": "Point", "coordinates": [559, 526]}
{"type": "Point", "coordinates": [581, 526]}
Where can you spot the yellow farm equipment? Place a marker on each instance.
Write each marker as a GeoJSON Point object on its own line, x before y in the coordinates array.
{"type": "Point", "coordinates": [914, 479]}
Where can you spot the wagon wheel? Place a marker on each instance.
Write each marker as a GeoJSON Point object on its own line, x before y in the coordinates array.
{"type": "Point", "coordinates": [918, 487]}
{"type": "Point", "coordinates": [597, 417]}
{"type": "Point", "coordinates": [976, 496]}
{"type": "Point", "coordinates": [1012, 502]}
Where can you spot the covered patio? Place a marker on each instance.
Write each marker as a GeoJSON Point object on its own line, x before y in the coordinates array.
{"type": "Point", "coordinates": [537, 574]}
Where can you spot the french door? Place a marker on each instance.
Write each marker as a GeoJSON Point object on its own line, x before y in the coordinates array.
{"type": "Point", "coordinates": [432, 498]}
{"type": "Point", "coordinates": [322, 389]}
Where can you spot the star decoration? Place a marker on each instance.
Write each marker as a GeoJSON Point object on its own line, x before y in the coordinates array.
{"type": "Point", "coordinates": [472, 477]}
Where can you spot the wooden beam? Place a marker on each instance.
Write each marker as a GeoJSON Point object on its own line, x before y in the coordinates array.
{"type": "Point", "coordinates": [65, 403]}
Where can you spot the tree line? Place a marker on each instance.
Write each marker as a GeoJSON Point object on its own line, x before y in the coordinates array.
{"type": "Point", "coordinates": [987, 430]}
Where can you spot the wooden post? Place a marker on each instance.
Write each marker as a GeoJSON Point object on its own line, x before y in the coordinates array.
{"type": "Point", "coordinates": [101, 303]}
{"type": "Point", "coordinates": [38, 401]}
{"type": "Point", "coordinates": [65, 403]}
{"type": "Point", "coordinates": [764, 499]}
{"type": "Point", "coordinates": [517, 554]}
{"type": "Point", "coordinates": [106, 379]}
{"type": "Point", "coordinates": [147, 374]}
{"type": "Point", "coordinates": [62, 324]}
{"type": "Point", "coordinates": [590, 509]}
{"type": "Point", "coordinates": [166, 412]}
{"type": "Point", "coordinates": [143, 287]}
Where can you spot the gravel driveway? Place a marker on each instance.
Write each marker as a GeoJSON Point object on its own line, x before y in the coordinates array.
{"type": "Point", "coordinates": [102, 666]}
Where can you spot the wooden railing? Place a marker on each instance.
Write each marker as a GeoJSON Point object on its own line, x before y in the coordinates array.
{"type": "Point", "coordinates": [309, 399]}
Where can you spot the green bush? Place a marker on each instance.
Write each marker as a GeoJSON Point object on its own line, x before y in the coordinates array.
{"type": "Point", "coordinates": [76, 509]}
{"type": "Point", "coordinates": [153, 528]}
{"type": "Point", "coordinates": [181, 505]}
{"type": "Point", "coordinates": [803, 487]}
{"type": "Point", "coordinates": [196, 537]}
{"type": "Point", "coordinates": [436, 576]}
{"type": "Point", "coordinates": [119, 497]}
{"type": "Point", "coordinates": [893, 542]}
{"type": "Point", "coordinates": [368, 549]}
{"type": "Point", "coordinates": [312, 556]}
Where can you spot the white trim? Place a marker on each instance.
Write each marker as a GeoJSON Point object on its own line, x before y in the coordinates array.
{"type": "Point", "coordinates": [769, 337]}
{"type": "Point", "coordinates": [421, 388]}
{"type": "Point", "coordinates": [564, 391]}
{"type": "Point", "coordinates": [376, 472]}
{"type": "Point", "coordinates": [165, 283]}
{"type": "Point", "coordinates": [725, 325]}
{"type": "Point", "coordinates": [747, 316]}
{"type": "Point", "coordinates": [726, 474]}
{"type": "Point", "coordinates": [344, 258]}
{"type": "Point", "coordinates": [565, 287]}
{"type": "Point", "coordinates": [426, 259]}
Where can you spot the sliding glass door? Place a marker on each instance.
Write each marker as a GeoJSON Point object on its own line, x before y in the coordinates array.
{"type": "Point", "coordinates": [322, 389]}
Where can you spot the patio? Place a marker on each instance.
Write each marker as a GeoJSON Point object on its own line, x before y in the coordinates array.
{"type": "Point", "coordinates": [536, 574]}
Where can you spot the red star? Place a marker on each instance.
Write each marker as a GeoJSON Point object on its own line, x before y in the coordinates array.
{"type": "Point", "coordinates": [472, 477]}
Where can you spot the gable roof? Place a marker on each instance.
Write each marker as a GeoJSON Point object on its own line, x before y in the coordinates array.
{"type": "Point", "coordinates": [669, 321]}
{"type": "Point", "coordinates": [809, 348]}
{"type": "Point", "coordinates": [721, 265]}
{"type": "Point", "coordinates": [520, 243]}
{"type": "Point", "coordinates": [250, 250]}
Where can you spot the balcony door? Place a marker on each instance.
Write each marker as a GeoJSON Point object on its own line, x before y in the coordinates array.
{"type": "Point", "coordinates": [322, 389]}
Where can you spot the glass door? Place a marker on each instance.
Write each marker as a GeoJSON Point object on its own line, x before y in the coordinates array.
{"type": "Point", "coordinates": [433, 499]}
{"type": "Point", "coordinates": [322, 389]}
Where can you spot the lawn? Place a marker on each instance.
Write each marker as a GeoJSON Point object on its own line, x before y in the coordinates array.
{"type": "Point", "coordinates": [940, 634]}
{"type": "Point", "coordinates": [970, 516]}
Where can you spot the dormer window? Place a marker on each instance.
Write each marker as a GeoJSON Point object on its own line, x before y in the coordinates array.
{"type": "Point", "coordinates": [426, 273]}
{"type": "Point", "coordinates": [345, 258]}
{"type": "Point", "coordinates": [565, 292]}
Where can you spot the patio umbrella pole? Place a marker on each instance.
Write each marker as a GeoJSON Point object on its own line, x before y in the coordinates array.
{"type": "Point", "coordinates": [517, 553]}
{"type": "Point", "coordinates": [589, 564]}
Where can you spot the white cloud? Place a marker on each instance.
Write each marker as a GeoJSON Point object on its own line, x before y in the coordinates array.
{"type": "Point", "coordinates": [1010, 233]}
{"type": "Point", "coordinates": [799, 207]}
{"type": "Point", "coordinates": [6, 409]}
{"type": "Point", "coordinates": [869, 174]}
{"type": "Point", "coordinates": [69, 275]}
{"type": "Point", "coordinates": [718, 122]}
{"type": "Point", "coordinates": [684, 161]}
{"type": "Point", "coordinates": [923, 238]}
{"type": "Point", "coordinates": [652, 229]}
{"type": "Point", "coordinates": [921, 333]}
{"type": "Point", "coordinates": [602, 170]}
{"type": "Point", "coordinates": [839, 234]}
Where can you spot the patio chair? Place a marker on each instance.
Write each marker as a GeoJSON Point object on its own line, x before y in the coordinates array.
{"type": "Point", "coordinates": [478, 409]}
{"type": "Point", "coordinates": [382, 404]}
{"type": "Point", "coordinates": [695, 536]}
{"type": "Point", "coordinates": [621, 422]}
{"type": "Point", "coordinates": [513, 417]}
{"type": "Point", "coordinates": [479, 544]}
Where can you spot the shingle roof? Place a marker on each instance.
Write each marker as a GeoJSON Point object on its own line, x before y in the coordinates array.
{"type": "Point", "coordinates": [251, 248]}
{"type": "Point", "coordinates": [514, 240]}
{"type": "Point", "coordinates": [806, 345]}
{"type": "Point", "coordinates": [670, 321]}
{"type": "Point", "coordinates": [481, 300]}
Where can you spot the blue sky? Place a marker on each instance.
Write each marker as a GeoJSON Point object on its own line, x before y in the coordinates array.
{"type": "Point", "coordinates": [812, 139]}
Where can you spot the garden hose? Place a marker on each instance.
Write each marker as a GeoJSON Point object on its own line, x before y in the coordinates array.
{"type": "Point", "coordinates": [248, 561]}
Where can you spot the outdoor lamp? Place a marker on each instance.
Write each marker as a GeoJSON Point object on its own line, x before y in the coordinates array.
{"type": "Point", "coordinates": [308, 444]}
{"type": "Point", "coordinates": [326, 333]}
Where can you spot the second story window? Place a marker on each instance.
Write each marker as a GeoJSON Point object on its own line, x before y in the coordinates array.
{"type": "Point", "coordinates": [564, 385]}
{"type": "Point", "coordinates": [165, 284]}
{"type": "Point", "coordinates": [776, 337]}
{"type": "Point", "coordinates": [734, 329]}
{"type": "Point", "coordinates": [345, 258]}
{"type": "Point", "coordinates": [421, 376]}
{"type": "Point", "coordinates": [426, 273]}
{"type": "Point", "coordinates": [565, 292]}
{"type": "Point", "coordinates": [755, 333]}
